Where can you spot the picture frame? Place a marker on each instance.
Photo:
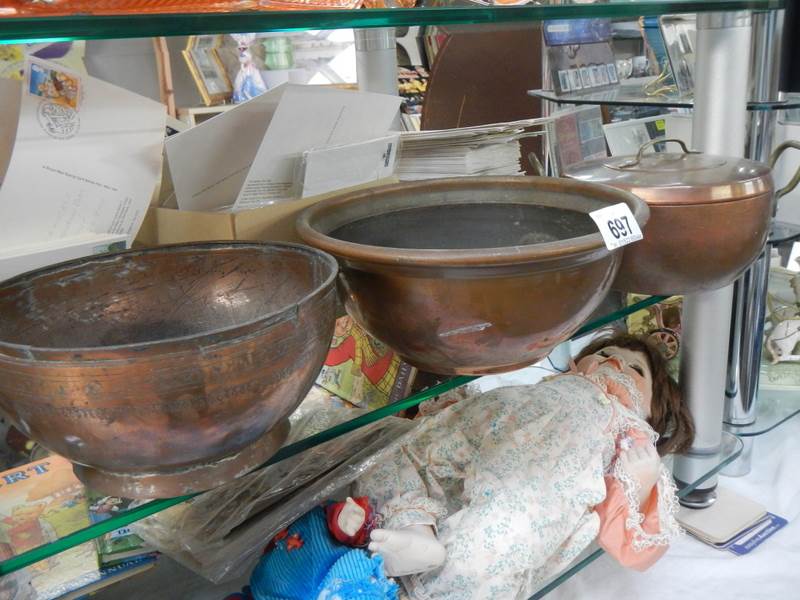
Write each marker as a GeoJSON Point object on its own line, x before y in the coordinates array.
{"type": "Point", "coordinates": [207, 69]}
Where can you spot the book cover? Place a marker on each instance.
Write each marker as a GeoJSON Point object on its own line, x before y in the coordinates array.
{"type": "Point", "coordinates": [39, 503]}
{"type": "Point", "coordinates": [362, 370]}
{"type": "Point", "coordinates": [119, 544]}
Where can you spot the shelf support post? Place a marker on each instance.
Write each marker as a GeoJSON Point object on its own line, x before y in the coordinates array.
{"type": "Point", "coordinates": [376, 60]}
{"type": "Point", "coordinates": [750, 290]}
{"type": "Point", "coordinates": [720, 104]}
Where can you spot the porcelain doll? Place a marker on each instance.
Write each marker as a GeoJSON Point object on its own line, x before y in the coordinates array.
{"type": "Point", "coordinates": [493, 495]}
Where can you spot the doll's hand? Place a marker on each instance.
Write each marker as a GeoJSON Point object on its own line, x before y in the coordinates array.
{"type": "Point", "coordinates": [643, 464]}
{"type": "Point", "coordinates": [413, 549]}
{"type": "Point", "coordinates": [351, 518]}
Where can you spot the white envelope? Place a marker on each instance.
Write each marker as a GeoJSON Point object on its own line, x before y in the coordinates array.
{"type": "Point", "coordinates": [82, 163]}
{"type": "Point", "coordinates": [311, 117]}
{"type": "Point", "coordinates": [338, 167]}
{"type": "Point", "coordinates": [21, 259]}
{"type": "Point", "coordinates": [209, 162]}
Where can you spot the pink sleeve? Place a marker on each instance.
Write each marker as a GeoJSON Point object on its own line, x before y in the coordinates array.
{"type": "Point", "coordinates": [616, 539]}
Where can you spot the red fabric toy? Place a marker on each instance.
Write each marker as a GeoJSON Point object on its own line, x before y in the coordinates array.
{"type": "Point", "coordinates": [361, 538]}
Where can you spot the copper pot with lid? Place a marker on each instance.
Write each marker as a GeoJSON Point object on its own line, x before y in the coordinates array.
{"type": "Point", "coordinates": [709, 216]}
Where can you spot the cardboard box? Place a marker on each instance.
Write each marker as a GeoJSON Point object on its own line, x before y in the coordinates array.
{"type": "Point", "coordinates": [275, 222]}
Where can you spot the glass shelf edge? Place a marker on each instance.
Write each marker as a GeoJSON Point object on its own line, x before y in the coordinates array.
{"type": "Point", "coordinates": [83, 27]}
{"type": "Point", "coordinates": [650, 101]}
{"type": "Point", "coordinates": [145, 510]}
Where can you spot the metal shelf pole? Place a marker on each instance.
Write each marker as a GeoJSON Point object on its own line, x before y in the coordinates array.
{"type": "Point", "coordinates": [721, 90]}
{"type": "Point", "coordinates": [376, 60]}
{"type": "Point", "coordinates": [750, 291]}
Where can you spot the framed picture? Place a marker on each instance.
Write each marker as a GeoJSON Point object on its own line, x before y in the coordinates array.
{"type": "Point", "coordinates": [207, 69]}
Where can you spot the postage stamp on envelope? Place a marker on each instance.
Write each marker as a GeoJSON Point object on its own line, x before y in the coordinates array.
{"type": "Point", "coordinates": [57, 86]}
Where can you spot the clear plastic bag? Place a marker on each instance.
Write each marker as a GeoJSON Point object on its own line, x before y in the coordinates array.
{"type": "Point", "coordinates": [221, 534]}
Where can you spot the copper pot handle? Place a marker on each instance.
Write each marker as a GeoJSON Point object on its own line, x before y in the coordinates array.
{"type": "Point", "coordinates": [773, 159]}
{"type": "Point", "coordinates": [646, 145]}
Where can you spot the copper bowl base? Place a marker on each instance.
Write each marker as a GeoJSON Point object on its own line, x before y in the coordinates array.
{"type": "Point", "coordinates": [185, 480]}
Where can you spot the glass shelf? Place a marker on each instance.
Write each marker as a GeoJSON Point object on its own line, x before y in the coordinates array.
{"type": "Point", "coordinates": [633, 95]}
{"type": "Point", "coordinates": [782, 233]}
{"type": "Point", "coordinates": [145, 510]}
{"type": "Point", "coordinates": [731, 449]}
{"type": "Point", "coordinates": [778, 396]}
{"type": "Point", "coordinates": [440, 12]}
{"type": "Point", "coordinates": [774, 408]}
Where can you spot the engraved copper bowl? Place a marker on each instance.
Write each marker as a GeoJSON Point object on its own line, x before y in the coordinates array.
{"type": "Point", "coordinates": [165, 371]}
{"type": "Point", "coordinates": [472, 275]}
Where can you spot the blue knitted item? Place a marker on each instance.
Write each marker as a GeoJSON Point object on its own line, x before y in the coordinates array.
{"type": "Point", "coordinates": [356, 576]}
{"type": "Point", "coordinates": [320, 568]}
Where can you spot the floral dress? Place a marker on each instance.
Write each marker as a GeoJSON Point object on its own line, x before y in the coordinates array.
{"type": "Point", "coordinates": [518, 481]}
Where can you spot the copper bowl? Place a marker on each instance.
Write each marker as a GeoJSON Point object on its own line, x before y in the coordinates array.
{"type": "Point", "coordinates": [165, 371]}
{"type": "Point", "coordinates": [472, 275]}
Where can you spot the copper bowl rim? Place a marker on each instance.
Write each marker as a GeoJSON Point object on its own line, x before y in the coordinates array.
{"type": "Point", "coordinates": [25, 351]}
{"type": "Point", "coordinates": [504, 255]}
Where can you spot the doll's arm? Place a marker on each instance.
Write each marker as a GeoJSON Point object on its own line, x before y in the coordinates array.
{"type": "Point", "coordinates": [615, 537]}
{"type": "Point", "coordinates": [407, 543]}
{"type": "Point", "coordinates": [637, 516]}
{"type": "Point", "coordinates": [407, 488]}
{"type": "Point", "coordinates": [413, 549]}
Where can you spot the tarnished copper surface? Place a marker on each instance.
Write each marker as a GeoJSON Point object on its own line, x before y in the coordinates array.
{"type": "Point", "coordinates": [180, 481]}
{"type": "Point", "coordinates": [165, 360]}
{"type": "Point", "coordinates": [445, 284]}
{"type": "Point", "coordinates": [709, 218]}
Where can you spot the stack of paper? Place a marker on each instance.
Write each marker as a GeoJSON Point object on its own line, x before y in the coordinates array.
{"type": "Point", "coordinates": [80, 160]}
{"type": "Point", "coordinates": [257, 153]}
{"type": "Point", "coordinates": [480, 150]}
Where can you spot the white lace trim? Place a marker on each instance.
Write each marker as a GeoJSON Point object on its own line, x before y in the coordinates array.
{"type": "Point", "coordinates": [625, 420]}
{"type": "Point", "coordinates": [667, 509]}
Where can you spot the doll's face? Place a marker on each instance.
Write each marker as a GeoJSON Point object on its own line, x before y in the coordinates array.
{"type": "Point", "coordinates": [630, 362]}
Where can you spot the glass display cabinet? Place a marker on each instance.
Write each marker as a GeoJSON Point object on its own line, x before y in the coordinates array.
{"type": "Point", "coordinates": [721, 99]}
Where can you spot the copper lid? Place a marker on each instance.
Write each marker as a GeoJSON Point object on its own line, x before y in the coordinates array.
{"type": "Point", "coordinates": [678, 178]}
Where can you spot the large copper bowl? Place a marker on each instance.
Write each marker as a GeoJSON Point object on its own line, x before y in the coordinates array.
{"type": "Point", "coordinates": [709, 217]}
{"type": "Point", "coordinates": [165, 371]}
{"type": "Point", "coordinates": [472, 275]}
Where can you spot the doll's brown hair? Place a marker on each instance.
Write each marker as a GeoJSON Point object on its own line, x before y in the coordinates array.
{"type": "Point", "coordinates": [669, 416]}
